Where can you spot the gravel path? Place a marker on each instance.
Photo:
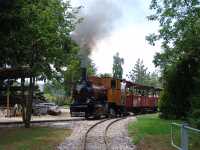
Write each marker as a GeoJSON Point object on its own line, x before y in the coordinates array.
{"type": "Point", "coordinates": [75, 141]}
{"type": "Point", "coordinates": [95, 139]}
{"type": "Point", "coordinates": [117, 134]}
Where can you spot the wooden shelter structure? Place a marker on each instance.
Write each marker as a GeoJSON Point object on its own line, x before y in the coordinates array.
{"type": "Point", "coordinates": [25, 93]}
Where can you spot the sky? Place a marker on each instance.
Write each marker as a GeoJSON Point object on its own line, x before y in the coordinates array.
{"type": "Point", "coordinates": [126, 36]}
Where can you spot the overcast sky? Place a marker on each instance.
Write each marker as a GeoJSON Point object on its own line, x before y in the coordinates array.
{"type": "Point", "coordinates": [127, 36]}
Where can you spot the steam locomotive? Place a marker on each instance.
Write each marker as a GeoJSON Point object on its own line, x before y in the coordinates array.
{"type": "Point", "coordinates": [95, 96]}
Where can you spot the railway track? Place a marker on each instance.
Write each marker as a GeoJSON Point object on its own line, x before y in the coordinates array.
{"type": "Point", "coordinates": [104, 132]}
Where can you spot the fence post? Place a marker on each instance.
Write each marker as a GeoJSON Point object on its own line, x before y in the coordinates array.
{"type": "Point", "coordinates": [184, 137]}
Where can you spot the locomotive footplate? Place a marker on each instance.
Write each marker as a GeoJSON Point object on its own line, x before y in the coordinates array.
{"type": "Point", "coordinates": [78, 110]}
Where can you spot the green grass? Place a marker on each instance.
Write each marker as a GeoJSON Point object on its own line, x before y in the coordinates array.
{"type": "Point", "coordinates": [35, 138]}
{"type": "Point", "coordinates": [150, 132]}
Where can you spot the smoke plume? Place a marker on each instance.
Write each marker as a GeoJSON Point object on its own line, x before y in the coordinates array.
{"type": "Point", "coordinates": [98, 19]}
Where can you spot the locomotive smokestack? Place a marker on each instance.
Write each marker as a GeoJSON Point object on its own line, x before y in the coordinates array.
{"type": "Point", "coordinates": [84, 73]}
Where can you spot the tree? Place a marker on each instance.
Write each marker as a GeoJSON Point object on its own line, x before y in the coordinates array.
{"type": "Point", "coordinates": [179, 32]}
{"type": "Point", "coordinates": [154, 80]}
{"type": "Point", "coordinates": [36, 34]}
{"type": "Point", "coordinates": [180, 60]}
{"type": "Point", "coordinates": [73, 74]}
{"type": "Point", "coordinates": [117, 66]}
{"type": "Point", "coordinates": [105, 75]}
{"type": "Point", "coordinates": [139, 73]}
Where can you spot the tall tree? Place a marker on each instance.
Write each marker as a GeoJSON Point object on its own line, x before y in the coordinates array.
{"type": "Point", "coordinates": [179, 32]}
{"type": "Point", "coordinates": [154, 80]}
{"type": "Point", "coordinates": [180, 60]}
{"type": "Point", "coordinates": [139, 73]}
{"type": "Point", "coordinates": [117, 66]}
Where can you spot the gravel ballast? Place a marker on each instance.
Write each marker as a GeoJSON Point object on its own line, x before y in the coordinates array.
{"type": "Point", "coordinates": [117, 136]}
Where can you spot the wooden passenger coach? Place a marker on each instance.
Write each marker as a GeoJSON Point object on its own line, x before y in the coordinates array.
{"type": "Point", "coordinates": [141, 98]}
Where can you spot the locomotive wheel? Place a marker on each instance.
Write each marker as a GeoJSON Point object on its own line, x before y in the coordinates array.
{"type": "Point", "coordinates": [112, 113]}
{"type": "Point", "coordinates": [87, 116]}
{"type": "Point", "coordinates": [97, 117]}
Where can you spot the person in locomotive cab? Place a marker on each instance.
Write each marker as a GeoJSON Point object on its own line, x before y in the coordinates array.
{"type": "Point", "coordinates": [123, 91]}
{"type": "Point", "coordinates": [123, 98]}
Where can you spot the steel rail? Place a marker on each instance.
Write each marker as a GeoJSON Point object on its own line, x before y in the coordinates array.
{"type": "Point", "coordinates": [106, 131]}
{"type": "Point", "coordinates": [88, 131]}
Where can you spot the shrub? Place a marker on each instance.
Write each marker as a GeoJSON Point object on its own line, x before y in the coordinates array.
{"type": "Point", "coordinates": [58, 100]}
{"type": "Point", "coordinates": [195, 118]}
{"type": "Point", "coordinates": [178, 86]}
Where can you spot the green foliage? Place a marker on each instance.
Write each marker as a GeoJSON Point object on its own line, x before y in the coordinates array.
{"type": "Point", "coordinates": [54, 91]}
{"type": "Point", "coordinates": [178, 88]}
{"type": "Point", "coordinates": [36, 34]}
{"type": "Point", "coordinates": [55, 88]}
{"type": "Point", "coordinates": [154, 80]}
{"type": "Point", "coordinates": [117, 66]}
{"type": "Point", "coordinates": [195, 119]}
{"type": "Point", "coordinates": [73, 74]}
{"type": "Point", "coordinates": [165, 105]}
{"type": "Point", "coordinates": [58, 100]}
{"type": "Point", "coordinates": [180, 59]}
{"type": "Point", "coordinates": [195, 114]}
{"type": "Point", "coordinates": [139, 74]}
{"type": "Point", "coordinates": [106, 75]}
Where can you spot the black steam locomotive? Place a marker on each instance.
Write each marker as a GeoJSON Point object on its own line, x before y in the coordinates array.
{"type": "Point", "coordinates": [89, 99]}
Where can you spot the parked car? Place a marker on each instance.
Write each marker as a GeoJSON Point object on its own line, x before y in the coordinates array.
{"type": "Point", "coordinates": [46, 108]}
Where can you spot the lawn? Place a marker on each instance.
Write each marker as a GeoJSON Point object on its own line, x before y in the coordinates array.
{"type": "Point", "coordinates": [35, 138]}
{"type": "Point", "coordinates": [150, 132]}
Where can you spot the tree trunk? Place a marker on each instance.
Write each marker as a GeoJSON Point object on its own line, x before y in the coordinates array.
{"type": "Point", "coordinates": [29, 103]}
{"type": "Point", "coordinates": [23, 101]}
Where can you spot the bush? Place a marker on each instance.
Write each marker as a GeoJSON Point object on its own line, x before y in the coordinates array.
{"type": "Point", "coordinates": [58, 100]}
{"type": "Point", "coordinates": [178, 86]}
{"type": "Point", "coordinates": [164, 106]}
{"type": "Point", "coordinates": [195, 118]}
